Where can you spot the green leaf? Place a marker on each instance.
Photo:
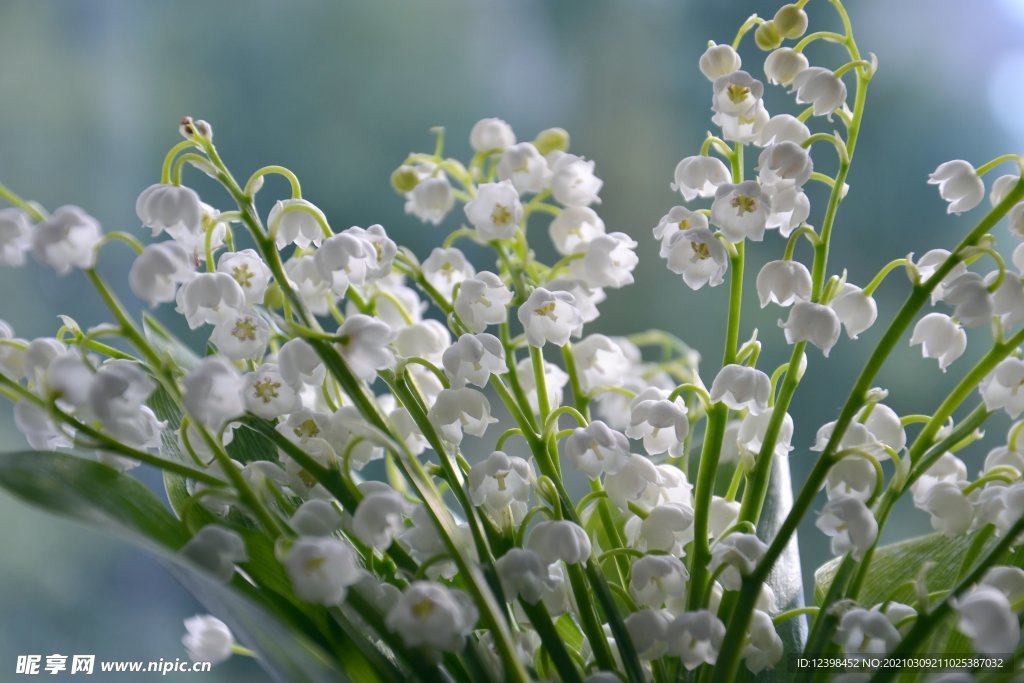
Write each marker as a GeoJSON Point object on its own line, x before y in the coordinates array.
{"type": "Point", "coordinates": [91, 493]}
{"type": "Point", "coordinates": [102, 498]}
{"type": "Point", "coordinates": [895, 566]}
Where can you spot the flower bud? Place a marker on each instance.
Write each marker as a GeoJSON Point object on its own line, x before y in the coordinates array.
{"type": "Point", "coordinates": [404, 179]}
{"type": "Point", "coordinates": [550, 140]}
{"type": "Point", "coordinates": [491, 134]}
{"type": "Point", "coordinates": [767, 36]}
{"type": "Point", "coordinates": [207, 639]}
{"type": "Point", "coordinates": [791, 21]}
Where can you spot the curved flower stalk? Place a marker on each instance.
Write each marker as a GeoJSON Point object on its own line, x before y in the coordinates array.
{"type": "Point", "coordinates": [487, 397]}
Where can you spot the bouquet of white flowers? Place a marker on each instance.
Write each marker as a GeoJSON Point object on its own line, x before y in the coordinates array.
{"type": "Point", "coordinates": [386, 468]}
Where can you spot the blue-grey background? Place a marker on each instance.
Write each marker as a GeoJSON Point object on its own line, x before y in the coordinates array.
{"type": "Point", "coordinates": [90, 96]}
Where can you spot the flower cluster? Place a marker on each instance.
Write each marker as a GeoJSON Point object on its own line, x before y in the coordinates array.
{"type": "Point", "coordinates": [387, 445]}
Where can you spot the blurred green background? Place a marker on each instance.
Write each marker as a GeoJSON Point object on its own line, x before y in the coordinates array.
{"type": "Point", "coordinates": [339, 92]}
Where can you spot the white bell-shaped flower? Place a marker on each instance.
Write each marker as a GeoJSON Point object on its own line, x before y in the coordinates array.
{"type": "Point", "coordinates": [156, 273]}
{"type": "Point", "coordinates": [742, 388]}
{"type": "Point", "coordinates": [783, 65]}
{"type": "Point", "coordinates": [316, 518]}
{"type": "Point", "coordinates": [426, 339]}
{"type": "Point", "coordinates": [267, 394]}
{"type": "Point", "coordinates": [743, 128]}
{"type": "Point", "coordinates": [495, 211]}
{"type": "Point", "coordinates": [342, 260]}
{"type": "Point", "coordinates": [174, 209]}
{"type": "Point", "coordinates": [501, 484]}
{"type": "Point", "coordinates": [380, 250]}
{"type": "Point", "coordinates": [600, 362]}
{"type": "Point", "coordinates": [696, 638]}
{"type": "Point", "coordinates": [573, 182]}
{"type": "Point", "coordinates": [1007, 300]}
{"type": "Point", "coordinates": [309, 284]}
{"type": "Point", "coordinates": [380, 517]}
{"type": "Point", "coordinates": [784, 163]}
{"type": "Point", "coordinates": [718, 61]}
{"type": "Point", "coordinates": [970, 297]}
{"type": "Point", "coordinates": [952, 513]}
{"type": "Point", "coordinates": [560, 540]}
{"type": "Point", "coordinates": [364, 345]}
{"type": "Point", "coordinates": [885, 426]}
{"type": "Point", "coordinates": [608, 261]}
{"type": "Point", "coordinates": [296, 221]}
{"type": "Point", "coordinates": [299, 364]}
{"type": "Point", "coordinates": [213, 392]}
{"type": "Point", "coordinates": [67, 239]}
{"type": "Point", "coordinates": [851, 476]}
{"type": "Point", "coordinates": [1002, 187]}
{"type": "Point", "coordinates": [661, 424]}
{"type": "Point", "coordinates": [431, 615]}
{"type": "Point", "coordinates": [249, 271]}
{"type": "Point", "coordinates": [117, 393]}
{"type": "Point", "coordinates": [698, 256]}
{"type": "Point", "coordinates": [549, 316]}
{"type": "Point", "coordinates": [209, 298]}
{"type": "Point", "coordinates": [678, 219]}
{"type": "Point", "coordinates": [525, 167]}
{"type": "Point", "coordinates": [851, 525]}
{"type": "Point", "coordinates": [15, 236]}
{"type": "Point", "coordinates": [524, 575]}
{"type": "Point", "coordinates": [573, 229]}
{"type": "Point", "coordinates": [947, 469]}
{"type": "Point", "coordinates": [764, 648]}
{"type": "Point", "coordinates": [987, 618]}
{"type": "Point", "coordinates": [555, 381]}
{"type": "Point", "coordinates": [596, 449]}
{"type": "Point", "coordinates": [736, 555]}
{"type": "Point", "coordinates": [12, 357]}
{"type": "Point", "coordinates": [431, 199]}
{"type": "Point", "coordinates": [321, 569]}
{"type": "Point", "coordinates": [753, 429]}
{"type": "Point", "coordinates": [736, 94]}
{"type": "Point", "coordinates": [473, 358]}
{"type": "Point", "coordinates": [586, 298]}
{"type": "Point", "coordinates": [814, 323]}
{"type": "Point", "coordinates": [856, 310]}
{"type": "Point", "coordinates": [648, 631]}
{"type": "Point", "coordinates": [207, 639]}
{"type": "Point", "coordinates": [491, 134]}
{"type": "Point", "coordinates": [41, 433]}
{"type": "Point", "coordinates": [667, 527]}
{"type": "Point", "coordinates": [740, 211]}
{"type": "Point", "coordinates": [928, 264]}
{"type": "Point", "coordinates": [482, 300]}
{"type": "Point", "coordinates": [866, 632]}
{"type": "Point", "coordinates": [1007, 580]}
{"type": "Point", "coordinates": [790, 207]}
{"type": "Point", "coordinates": [940, 337]}
{"type": "Point", "coordinates": [783, 283]}
{"type": "Point", "coordinates": [1001, 388]}
{"type": "Point", "coordinates": [657, 579]}
{"type": "Point", "coordinates": [959, 184]}
{"type": "Point", "coordinates": [821, 89]}
{"type": "Point", "coordinates": [445, 268]}
{"type": "Point", "coordinates": [722, 516]}
{"type": "Point", "coordinates": [216, 549]}
{"type": "Point", "coordinates": [241, 336]}
{"type": "Point", "coordinates": [700, 176]}
{"type": "Point", "coordinates": [461, 411]}
{"type": "Point", "coordinates": [782, 128]}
